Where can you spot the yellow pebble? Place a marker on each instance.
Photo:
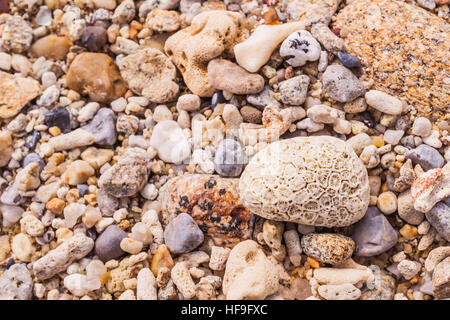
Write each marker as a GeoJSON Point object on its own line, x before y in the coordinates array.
{"type": "Point", "coordinates": [408, 232]}
{"type": "Point", "coordinates": [398, 164]}
{"type": "Point", "coordinates": [54, 131]}
{"type": "Point", "coordinates": [313, 262]}
{"type": "Point", "coordinates": [377, 141]}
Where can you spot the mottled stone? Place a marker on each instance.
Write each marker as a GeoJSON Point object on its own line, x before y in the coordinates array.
{"type": "Point", "coordinates": [373, 234]}
{"type": "Point", "coordinates": [15, 93]}
{"type": "Point", "coordinates": [151, 74]}
{"type": "Point", "coordinates": [403, 57]}
{"type": "Point", "coordinates": [310, 11]}
{"type": "Point", "coordinates": [16, 283]}
{"type": "Point", "coordinates": [128, 175]}
{"type": "Point", "coordinates": [214, 204]}
{"type": "Point", "coordinates": [293, 91]}
{"type": "Point", "coordinates": [381, 287]}
{"type": "Point", "coordinates": [328, 247]}
{"type": "Point", "coordinates": [16, 35]}
{"type": "Point", "coordinates": [96, 75]}
{"type": "Point", "coordinates": [341, 84]}
{"type": "Point", "coordinates": [107, 245]}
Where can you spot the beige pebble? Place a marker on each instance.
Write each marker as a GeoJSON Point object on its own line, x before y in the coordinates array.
{"type": "Point", "coordinates": [387, 202]}
{"type": "Point", "coordinates": [77, 172]}
{"type": "Point", "coordinates": [22, 247]}
{"type": "Point", "coordinates": [131, 246]}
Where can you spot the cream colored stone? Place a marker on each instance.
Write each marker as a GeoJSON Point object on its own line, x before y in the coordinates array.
{"type": "Point", "coordinates": [249, 274]}
{"type": "Point", "coordinates": [254, 52]}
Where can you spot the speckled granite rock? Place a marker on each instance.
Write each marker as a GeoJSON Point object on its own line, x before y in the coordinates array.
{"type": "Point", "coordinates": [214, 204]}
{"type": "Point", "coordinates": [312, 11]}
{"type": "Point", "coordinates": [328, 247]}
{"type": "Point", "coordinates": [414, 63]}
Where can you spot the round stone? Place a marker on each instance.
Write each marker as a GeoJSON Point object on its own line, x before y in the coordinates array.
{"type": "Point", "coordinates": [107, 245]}
{"type": "Point", "coordinates": [349, 60]}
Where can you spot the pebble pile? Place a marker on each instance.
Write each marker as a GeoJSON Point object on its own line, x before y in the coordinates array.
{"type": "Point", "coordinates": [212, 150]}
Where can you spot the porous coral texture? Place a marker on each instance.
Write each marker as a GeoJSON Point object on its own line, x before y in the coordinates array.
{"type": "Point", "coordinates": [310, 180]}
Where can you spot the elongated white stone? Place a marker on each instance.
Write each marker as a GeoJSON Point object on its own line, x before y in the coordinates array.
{"type": "Point", "coordinates": [254, 52]}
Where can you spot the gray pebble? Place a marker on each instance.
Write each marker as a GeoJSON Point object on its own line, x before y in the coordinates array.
{"type": "Point", "coordinates": [229, 158]}
{"type": "Point", "coordinates": [439, 218]}
{"type": "Point", "coordinates": [374, 234]}
{"type": "Point", "coordinates": [426, 156]}
{"type": "Point", "coordinates": [263, 99]}
{"type": "Point", "coordinates": [349, 60]}
{"type": "Point", "coordinates": [107, 245]}
{"type": "Point", "coordinates": [341, 84]}
{"type": "Point", "coordinates": [33, 158]}
{"type": "Point", "coordinates": [182, 234]}
{"type": "Point", "coordinates": [293, 91]}
{"type": "Point", "coordinates": [103, 127]}
{"type": "Point", "coordinates": [16, 283]}
{"type": "Point", "coordinates": [107, 203]}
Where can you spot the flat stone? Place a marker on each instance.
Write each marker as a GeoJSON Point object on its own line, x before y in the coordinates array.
{"type": "Point", "coordinates": [15, 93]}
{"type": "Point", "coordinates": [226, 75]}
{"type": "Point", "coordinates": [96, 75]}
{"type": "Point", "coordinates": [403, 58]}
{"type": "Point", "coordinates": [373, 234]}
{"type": "Point", "coordinates": [439, 218]}
{"type": "Point", "coordinates": [107, 245]}
{"type": "Point", "coordinates": [428, 157]}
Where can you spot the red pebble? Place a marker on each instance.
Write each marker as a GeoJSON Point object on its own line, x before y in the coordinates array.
{"type": "Point", "coordinates": [336, 31]}
{"type": "Point", "coordinates": [4, 6]}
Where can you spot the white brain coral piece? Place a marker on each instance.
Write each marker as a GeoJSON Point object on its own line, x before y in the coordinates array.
{"type": "Point", "coordinates": [299, 48]}
{"type": "Point", "coordinates": [309, 180]}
